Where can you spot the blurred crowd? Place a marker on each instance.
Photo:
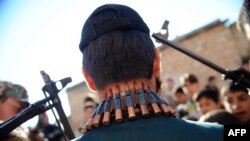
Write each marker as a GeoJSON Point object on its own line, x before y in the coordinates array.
{"type": "Point", "coordinates": [226, 105]}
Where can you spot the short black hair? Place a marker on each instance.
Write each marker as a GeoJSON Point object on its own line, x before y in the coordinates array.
{"type": "Point", "coordinates": [158, 84]}
{"type": "Point", "coordinates": [119, 55]}
{"type": "Point", "coordinates": [208, 93]}
{"type": "Point", "coordinates": [191, 78]}
{"type": "Point", "coordinates": [88, 99]}
{"type": "Point", "coordinates": [236, 87]}
{"type": "Point", "coordinates": [245, 60]}
{"type": "Point", "coordinates": [210, 78]}
{"type": "Point", "coordinates": [89, 106]}
{"type": "Point", "coordinates": [116, 46]}
{"type": "Point", "coordinates": [232, 88]}
{"type": "Point", "coordinates": [179, 90]}
{"type": "Point", "coordinates": [3, 98]}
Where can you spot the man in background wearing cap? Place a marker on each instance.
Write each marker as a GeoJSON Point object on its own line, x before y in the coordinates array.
{"type": "Point", "coordinates": [121, 63]}
{"type": "Point", "coordinates": [13, 98]}
{"type": "Point", "coordinates": [191, 83]}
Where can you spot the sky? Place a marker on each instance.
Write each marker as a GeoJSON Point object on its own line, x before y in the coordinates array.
{"type": "Point", "coordinates": [44, 35]}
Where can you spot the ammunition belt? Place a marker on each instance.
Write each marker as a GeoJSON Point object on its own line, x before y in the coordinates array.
{"type": "Point", "coordinates": [145, 102]}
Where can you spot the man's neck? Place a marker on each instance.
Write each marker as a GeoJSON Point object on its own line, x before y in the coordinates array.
{"type": "Point", "coordinates": [126, 100]}
{"type": "Point", "coordinates": [121, 87]}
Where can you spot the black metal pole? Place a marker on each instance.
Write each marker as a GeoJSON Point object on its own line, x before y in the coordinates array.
{"type": "Point", "coordinates": [239, 76]}
{"type": "Point", "coordinates": [191, 54]}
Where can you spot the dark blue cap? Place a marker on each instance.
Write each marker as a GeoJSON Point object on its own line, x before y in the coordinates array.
{"type": "Point", "coordinates": [108, 18]}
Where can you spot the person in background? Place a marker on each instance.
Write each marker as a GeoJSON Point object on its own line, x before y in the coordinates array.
{"type": "Point", "coordinates": [121, 64]}
{"type": "Point", "coordinates": [50, 131]}
{"type": "Point", "coordinates": [36, 135]}
{"type": "Point", "coordinates": [191, 83]}
{"type": "Point", "coordinates": [211, 83]}
{"type": "Point", "coordinates": [236, 100]}
{"type": "Point", "coordinates": [168, 90]}
{"type": "Point", "coordinates": [88, 110]}
{"type": "Point", "coordinates": [208, 100]}
{"type": "Point", "coordinates": [181, 95]}
{"type": "Point", "coordinates": [246, 63]}
{"type": "Point", "coordinates": [184, 107]}
{"type": "Point", "coordinates": [13, 99]}
{"type": "Point", "coordinates": [90, 100]}
{"type": "Point", "coordinates": [89, 106]}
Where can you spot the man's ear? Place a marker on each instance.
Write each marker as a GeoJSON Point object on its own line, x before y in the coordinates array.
{"type": "Point", "coordinates": [157, 63]}
{"type": "Point", "coordinates": [89, 80]}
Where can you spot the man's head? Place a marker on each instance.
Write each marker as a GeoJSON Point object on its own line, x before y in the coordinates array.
{"type": "Point", "coordinates": [208, 100]}
{"type": "Point", "coordinates": [190, 81]}
{"type": "Point", "coordinates": [170, 83]}
{"type": "Point", "coordinates": [246, 63]}
{"type": "Point", "coordinates": [181, 95]}
{"type": "Point", "coordinates": [211, 80]}
{"type": "Point", "coordinates": [88, 109]}
{"type": "Point", "coordinates": [116, 47]}
{"type": "Point", "coordinates": [43, 120]}
{"type": "Point", "coordinates": [13, 98]}
{"type": "Point", "coordinates": [236, 100]}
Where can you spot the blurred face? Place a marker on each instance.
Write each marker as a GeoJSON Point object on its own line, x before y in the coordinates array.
{"type": "Point", "coordinates": [206, 105]}
{"type": "Point", "coordinates": [88, 112]}
{"type": "Point", "coordinates": [181, 98]}
{"type": "Point", "coordinates": [170, 84]}
{"type": "Point", "coordinates": [192, 88]}
{"type": "Point", "coordinates": [45, 119]}
{"type": "Point", "coordinates": [9, 108]}
{"type": "Point", "coordinates": [213, 82]}
{"type": "Point", "coordinates": [238, 103]}
{"type": "Point", "coordinates": [246, 66]}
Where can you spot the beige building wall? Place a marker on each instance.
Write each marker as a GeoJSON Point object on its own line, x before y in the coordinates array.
{"type": "Point", "coordinates": [224, 46]}
{"type": "Point", "coordinates": [76, 95]}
